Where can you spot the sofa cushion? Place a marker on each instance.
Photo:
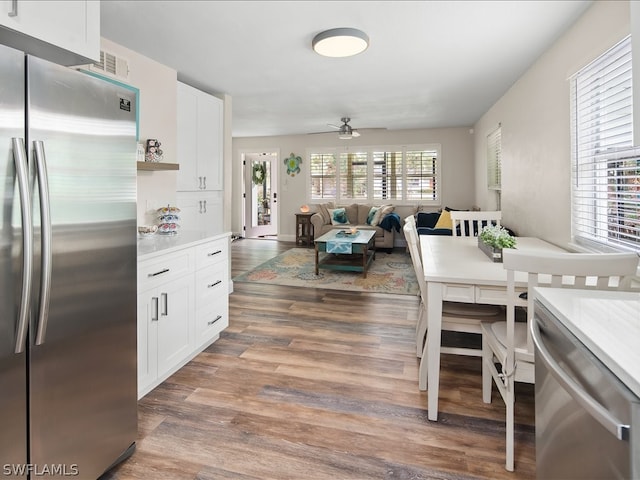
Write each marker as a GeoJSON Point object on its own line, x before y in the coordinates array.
{"type": "Point", "coordinates": [323, 209]}
{"type": "Point", "coordinates": [338, 216]}
{"type": "Point", "coordinates": [363, 213]}
{"type": "Point", "coordinates": [352, 213]}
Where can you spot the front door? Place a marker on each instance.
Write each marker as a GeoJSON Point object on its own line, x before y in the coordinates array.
{"type": "Point", "coordinates": [260, 182]}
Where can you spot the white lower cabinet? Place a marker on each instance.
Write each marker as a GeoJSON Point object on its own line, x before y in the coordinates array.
{"type": "Point", "coordinates": [183, 305]}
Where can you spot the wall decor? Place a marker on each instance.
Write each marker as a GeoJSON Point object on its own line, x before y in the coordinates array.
{"type": "Point", "coordinates": [259, 172]}
{"type": "Point", "coordinates": [293, 164]}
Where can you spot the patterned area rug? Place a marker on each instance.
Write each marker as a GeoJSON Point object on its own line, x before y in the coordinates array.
{"type": "Point", "coordinates": [388, 273]}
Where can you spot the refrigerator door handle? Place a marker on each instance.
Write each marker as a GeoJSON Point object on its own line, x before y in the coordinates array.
{"type": "Point", "coordinates": [591, 405]}
{"type": "Point", "coordinates": [45, 221]}
{"type": "Point", "coordinates": [22, 174]}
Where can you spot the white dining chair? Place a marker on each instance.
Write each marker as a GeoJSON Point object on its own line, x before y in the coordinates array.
{"type": "Point", "coordinates": [507, 347]}
{"type": "Point", "coordinates": [463, 222]}
{"type": "Point", "coordinates": [456, 317]}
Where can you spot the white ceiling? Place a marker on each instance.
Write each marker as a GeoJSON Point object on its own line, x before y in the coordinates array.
{"type": "Point", "coordinates": [429, 64]}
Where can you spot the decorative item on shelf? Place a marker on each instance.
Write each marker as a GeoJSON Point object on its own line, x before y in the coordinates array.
{"type": "Point", "coordinates": [140, 153]}
{"type": "Point", "coordinates": [259, 173]}
{"type": "Point", "coordinates": [147, 230]}
{"type": "Point", "coordinates": [293, 164]}
{"type": "Point", "coordinates": [153, 154]}
{"type": "Point", "coordinates": [304, 208]}
{"type": "Point", "coordinates": [492, 239]}
{"type": "Point", "coordinates": [169, 218]}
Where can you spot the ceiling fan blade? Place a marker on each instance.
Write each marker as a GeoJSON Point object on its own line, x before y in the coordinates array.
{"type": "Point", "coordinates": [333, 126]}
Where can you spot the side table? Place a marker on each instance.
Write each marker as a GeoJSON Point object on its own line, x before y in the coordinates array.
{"type": "Point", "coordinates": [304, 229]}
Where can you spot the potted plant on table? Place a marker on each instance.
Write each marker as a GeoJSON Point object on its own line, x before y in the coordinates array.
{"type": "Point", "coordinates": [492, 239]}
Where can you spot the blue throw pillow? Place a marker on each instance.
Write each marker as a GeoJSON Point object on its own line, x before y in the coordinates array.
{"type": "Point", "coordinates": [338, 216]}
{"type": "Point", "coordinates": [372, 213]}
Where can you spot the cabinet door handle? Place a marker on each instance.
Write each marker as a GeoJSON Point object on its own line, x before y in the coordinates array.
{"type": "Point", "coordinates": [211, 322]}
{"type": "Point", "coordinates": [165, 304]}
{"type": "Point", "coordinates": [14, 8]}
{"type": "Point", "coordinates": [205, 183]}
{"type": "Point", "coordinates": [214, 253]}
{"type": "Point", "coordinates": [200, 183]}
{"type": "Point", "coordinates": [204, 203]}
{"type": "Point", "coordinates": [211, 285]}
{"type": "Point", "coordinates": [158, 273]}
{"type": "Point", "coordinates": [154, 309]}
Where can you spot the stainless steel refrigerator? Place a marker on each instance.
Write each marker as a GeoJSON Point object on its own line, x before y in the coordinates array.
{"type": "Point", "coordinates": [67, 271]}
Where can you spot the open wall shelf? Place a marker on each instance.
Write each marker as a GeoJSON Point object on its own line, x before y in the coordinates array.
{"type": "Point", "coordinates": [151, 166]}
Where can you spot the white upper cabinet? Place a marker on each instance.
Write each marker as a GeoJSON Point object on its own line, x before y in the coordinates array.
{"type": "Point", "coordinates": [200, 131]}
{"type": "Point", "coordinates": [64, 32]}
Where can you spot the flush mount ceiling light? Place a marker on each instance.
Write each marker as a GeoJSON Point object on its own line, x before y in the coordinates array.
{"type": "Point", "coordinates": [340, 42]}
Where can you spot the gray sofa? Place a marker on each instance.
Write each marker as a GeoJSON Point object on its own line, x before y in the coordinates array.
{"type": "Point", "coordinates": [357, 215]}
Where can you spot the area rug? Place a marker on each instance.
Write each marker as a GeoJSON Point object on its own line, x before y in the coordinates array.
{"type": "Point", "coordinates": [388, 273]}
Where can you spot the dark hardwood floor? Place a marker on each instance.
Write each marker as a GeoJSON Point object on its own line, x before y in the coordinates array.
{"type": "Point", "coordinates": [320, 384]}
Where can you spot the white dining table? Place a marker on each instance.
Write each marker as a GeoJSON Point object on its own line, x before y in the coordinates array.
{"type": "Point", "coordinates": [456, 270]}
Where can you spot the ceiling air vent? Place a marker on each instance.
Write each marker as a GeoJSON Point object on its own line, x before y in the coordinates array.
{"type": "Point", "coordinates": [111, 65]}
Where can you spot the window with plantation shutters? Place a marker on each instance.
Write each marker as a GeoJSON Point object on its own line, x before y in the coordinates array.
{"type": "Point", "coordinates": [400, 173]}
{"type": "Point", "coordinates": [387, 175]}
{"type": "Point", "coordinates": [353, 175]}
{"type": "Point", "coordinates": [605, 169]}
{"type": "Point", "coordinates": [322, 169]}
{"type": "Point", "coordinates": [494, 159]}
{"type": "Point", "coordinates": [422, 175]}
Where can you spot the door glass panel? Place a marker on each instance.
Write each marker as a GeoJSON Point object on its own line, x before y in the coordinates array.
{"type": "Point", "coordinates": [261, 193]}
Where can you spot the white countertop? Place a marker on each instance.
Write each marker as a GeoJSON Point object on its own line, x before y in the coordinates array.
{"type": "Point", "coordinates": [607, 323]}
{"type": "Point", "coordinates": [157, 244]}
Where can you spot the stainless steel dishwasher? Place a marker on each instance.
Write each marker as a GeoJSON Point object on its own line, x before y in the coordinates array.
{"type": "Point", "coordinates": [587, 420]}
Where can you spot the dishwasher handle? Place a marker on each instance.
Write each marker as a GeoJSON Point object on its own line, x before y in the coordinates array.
{"type": "Point", "coordinates": [591, 405]}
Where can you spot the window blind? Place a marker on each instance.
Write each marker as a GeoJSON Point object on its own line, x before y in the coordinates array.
{"type": "Point", "coordinates": [422, 175]}
{"type": "Point", "coordinates": [353, 175]}
{"type": "Point", "coordinates": [387, 175]}
{"type": "Point", "coordinates": [605, 172]}
{"type": "Point", "coordinates": [323, 175]}
{"type": "Point", "coordinates": [494, 159]}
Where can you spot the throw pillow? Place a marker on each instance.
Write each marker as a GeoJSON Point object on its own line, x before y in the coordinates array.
{"type": "Point", "coordinates": [380, 214]}
{"type": "Point", "coordinates": [427, 219]}
{"type": "Point", "coordinates": [445, 220]}
{"type": "Point", "coordinates": [338, 216]}
{"type": "Point", "coordinates": [371, 215]}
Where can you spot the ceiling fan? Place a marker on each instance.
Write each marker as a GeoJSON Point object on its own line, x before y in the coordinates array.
{"type": "Point", "coordinates": [345, 132]}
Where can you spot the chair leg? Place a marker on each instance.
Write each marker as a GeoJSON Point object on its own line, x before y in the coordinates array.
{"type": "Point", "coordinates": [424, 367]}
{"type": "Point", "coordinates": [421, 330]}
{"type": "Point", "coordinates": [487, 379]}
{"type": "Point", "coordinates": [510, 404]}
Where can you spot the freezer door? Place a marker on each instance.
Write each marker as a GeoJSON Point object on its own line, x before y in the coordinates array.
{"type": "Point", "coordinates": [13, 380]}
{"type": "Point", "coordinates": [83, 336]}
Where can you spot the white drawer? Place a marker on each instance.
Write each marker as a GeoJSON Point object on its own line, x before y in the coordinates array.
{"type": "Point", "coordinates": [211, 253]}
{"type": "Point", "coordinates": [458, 293]}
{"type": "Point", "coordinates": [495, 295]}
{"type": "Point", "coordinates": [163, 269]}
{"type": "Point", "coordinates": [210, 321]}
{"type": "Point", "coordinates": [211, 282]}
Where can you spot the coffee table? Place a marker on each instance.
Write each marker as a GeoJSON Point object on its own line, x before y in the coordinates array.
{"type": "Point", "coordinates": [346, 252]}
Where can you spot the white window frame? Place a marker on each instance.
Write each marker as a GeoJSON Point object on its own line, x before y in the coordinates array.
{"type": "Point", "coordinates": [605, 171]}
{"type": "Point", "coordinates": [403, 198]}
